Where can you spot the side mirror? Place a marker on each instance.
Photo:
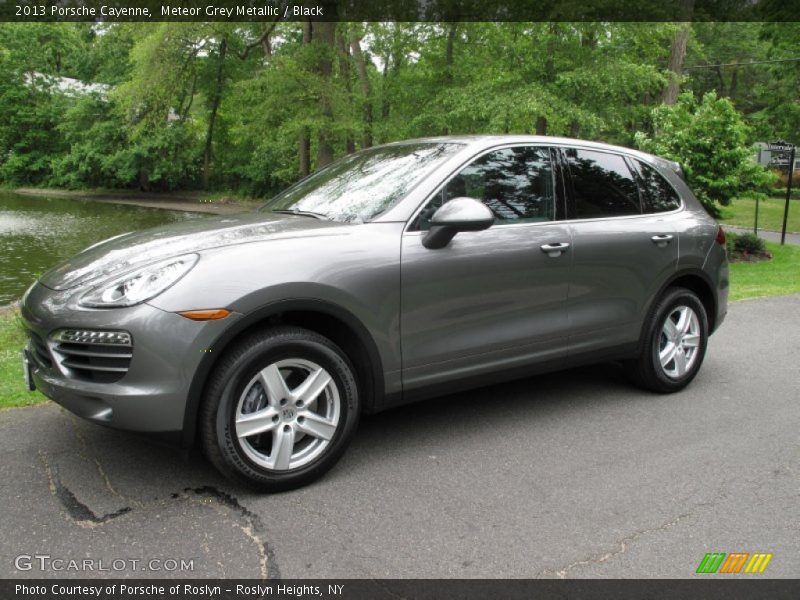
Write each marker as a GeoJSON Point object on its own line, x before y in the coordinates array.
{"type": "Point", "coordinates": [459, 214]}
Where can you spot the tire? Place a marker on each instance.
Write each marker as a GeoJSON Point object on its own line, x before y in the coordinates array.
{"type": "Point", "coordinates": [274, 443]}
{"type": "Point", "coordinates": [653, 369]}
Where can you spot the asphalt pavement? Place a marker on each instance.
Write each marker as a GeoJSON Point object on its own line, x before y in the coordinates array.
{"type": "Point", "coordinates": [772, 236]}
{"type": "Point", "coordinates": [574, 474]}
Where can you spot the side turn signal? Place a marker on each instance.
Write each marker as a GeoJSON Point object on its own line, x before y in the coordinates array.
{"type": "Point", "coordinates": [212, 314]}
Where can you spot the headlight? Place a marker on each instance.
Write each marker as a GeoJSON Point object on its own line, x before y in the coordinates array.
{"type": "Point", "coordinates": [140, 285]}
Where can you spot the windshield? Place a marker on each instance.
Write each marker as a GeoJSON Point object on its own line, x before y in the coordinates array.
{"type": "Point", "coordinates": [361, 186]}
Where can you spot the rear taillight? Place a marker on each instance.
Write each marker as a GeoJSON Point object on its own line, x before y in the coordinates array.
{"type": "Point", "coordinates": [720, 239]}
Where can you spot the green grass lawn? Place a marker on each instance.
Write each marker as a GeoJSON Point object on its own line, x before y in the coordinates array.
{"type": "Point", "coordinates": [12, 386]}
{"type": "Point", "coordinates": [776, 277]}
{"type": "Point", "coordinates": [770, 214]}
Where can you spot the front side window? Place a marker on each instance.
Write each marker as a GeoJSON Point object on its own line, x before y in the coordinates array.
{"type": "Point", "coordinates": [515, 183]}
{"type": "Point", "coordinates": [602, 185]}
{"type": "Point", "coordinates": [659, 195]}
{"type": "Point", "coordinates": [361, 186]}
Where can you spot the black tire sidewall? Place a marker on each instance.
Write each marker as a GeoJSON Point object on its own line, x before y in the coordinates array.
{"type": "Point", "coordinates": [256, 356]}
{"type": "Point", "coordinates": [674, 298]}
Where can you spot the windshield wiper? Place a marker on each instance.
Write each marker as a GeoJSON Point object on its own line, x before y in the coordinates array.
{"type": "Point", "coordinates": [303, 213]}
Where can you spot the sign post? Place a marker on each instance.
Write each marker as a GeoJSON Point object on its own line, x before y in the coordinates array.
{"type": "Point", "coordinates": [790, 148]}
{"type": "Point", "coordinates": [755, 225]}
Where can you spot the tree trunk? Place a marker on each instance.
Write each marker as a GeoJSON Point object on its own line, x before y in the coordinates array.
{"type": "Point", "coordinates": [325, 34]}
{"type": "Point", "coordinates": [212, 117]}
{"type": "Point", "coordinates": [549, 72]}
{"type": "Point", "coordinates": [734, 84]}
{"type": "Point", "coordinates": [451, 40]}
{"type": "Point", "coordinates": [589, 38]}
{"type": "Point", "coordinates": [677, 54]}
{"type": "Point", "coordinates": [144, 180]}
{"type": "Point", "coordinates": [304, 138]}
{"type": "Point", "coordinates": [391, 63]}
{"type": "Point", "coordinates": [448, 65]}
{"type": "Point", "coordinates": [721, 80]}
{"type": "Point", "coordinates": [343, 49]}
{"type": "Point", "coordinates": [385, 84]}
{"type": "Point", "coordinates": [363, 78]}
{"type": "Point", "coordinates": [304, 152]}
{"type": "Point", "coordinates": [541, 125]}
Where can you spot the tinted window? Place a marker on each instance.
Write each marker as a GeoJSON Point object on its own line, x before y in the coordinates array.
{"type": "Point", "coordinates": [361, 186]}
{"type": "Point", "coordinates": [602, 185]}
{"type": "Point", "coordinates": [659, 195]}
{"type": "Point", "coordinates": [515, 183]}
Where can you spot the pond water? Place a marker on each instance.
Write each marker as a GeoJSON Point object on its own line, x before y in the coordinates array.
{"type": "Point", "coordinates": [38, 232]}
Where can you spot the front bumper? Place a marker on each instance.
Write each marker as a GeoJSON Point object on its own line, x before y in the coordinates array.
{"type": "Point", "coordinates": [152, 395]}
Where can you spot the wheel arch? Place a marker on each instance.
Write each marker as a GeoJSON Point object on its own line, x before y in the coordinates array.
{"type": "Point", "coordinates": [692, 279]}
{"type": "Point", "coordinates": [334, 322]}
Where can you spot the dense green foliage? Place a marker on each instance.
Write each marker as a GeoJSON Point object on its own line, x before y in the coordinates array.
{"type": "Point", "coordinates": [709, 139]}
{"type": "Point", "coordinates": [250, 107]}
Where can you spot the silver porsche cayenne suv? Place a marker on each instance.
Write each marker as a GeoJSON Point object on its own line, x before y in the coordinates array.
{"type": "Point", "coordinates": [401, 272]}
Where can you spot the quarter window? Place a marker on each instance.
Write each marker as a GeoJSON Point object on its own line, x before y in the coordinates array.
{"type": "Point", "coordinates": [659, 195]}
{"type": "Point", "coordinates": [602, 185]}
{"type": "Point", "coordinates": [515, 183]}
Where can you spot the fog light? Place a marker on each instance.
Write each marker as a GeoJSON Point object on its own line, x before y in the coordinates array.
{"type": "Point", "coordinates": [86, 336]}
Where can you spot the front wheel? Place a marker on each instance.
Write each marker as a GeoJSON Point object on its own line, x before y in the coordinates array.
{"type": "Point", "coordinates": [674, 344]}
{"type": "Point", "coordinates": [280, 409]}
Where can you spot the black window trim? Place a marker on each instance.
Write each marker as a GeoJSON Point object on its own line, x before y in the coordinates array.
{"type": "Point", "coordinates": [559, 186]}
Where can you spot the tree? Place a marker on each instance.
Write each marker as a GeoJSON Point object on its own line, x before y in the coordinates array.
{"type": "Point", "coordinates": [777, 113]}
{"type": "Point", "coordinates": [248, 107]}
{"type": "Point", "coordinates": [677, 53]}
{"type": "Point", "coordinates": [712, 143]}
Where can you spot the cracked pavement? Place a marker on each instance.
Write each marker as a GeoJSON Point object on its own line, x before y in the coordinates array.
{"type": "Point", "coordinates": [573, 474]}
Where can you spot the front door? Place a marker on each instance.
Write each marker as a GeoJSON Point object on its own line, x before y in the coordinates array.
{"type": "Point", "coordinates": [492, 299]}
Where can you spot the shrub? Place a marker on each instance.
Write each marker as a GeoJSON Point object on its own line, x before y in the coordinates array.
{"type": "Point", "coordinates": [709, 138]}
{"type": "Point", "coordinates": [749, 243]}
{"type": "Point", "coordinates": [746, 247]}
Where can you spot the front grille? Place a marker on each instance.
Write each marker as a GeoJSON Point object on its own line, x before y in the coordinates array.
{"type": "Point", "coordinates": [39, 351]}
{"type": "Point", "coordinates": [98, 356]}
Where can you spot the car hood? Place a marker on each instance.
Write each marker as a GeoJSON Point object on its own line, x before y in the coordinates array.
{"type": "Point", "coordinates": [124, 252]}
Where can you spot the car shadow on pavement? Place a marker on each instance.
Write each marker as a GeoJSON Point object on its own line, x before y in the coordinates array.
{"type": "Point", "coordinates": [154, 469]}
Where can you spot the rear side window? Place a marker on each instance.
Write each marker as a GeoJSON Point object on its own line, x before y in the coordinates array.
{"type": "Point", "coordinates": [659, 195]}
{"type": "Point", "coordinates": [602, 185]}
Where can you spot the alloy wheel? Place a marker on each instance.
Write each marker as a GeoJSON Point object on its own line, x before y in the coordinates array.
{"type": "Point", "coordinates": [679, 342]}
{"type": "Point", "coordinates": [287, 414]}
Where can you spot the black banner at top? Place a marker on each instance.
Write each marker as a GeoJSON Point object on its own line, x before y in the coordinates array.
{"type": "Point", "coordinates": [398, 10]}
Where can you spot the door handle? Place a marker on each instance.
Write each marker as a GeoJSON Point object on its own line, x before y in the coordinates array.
{"type": "Point", "coordinates": [662, 239]}
{"type": "Point", "coordinates": [554, 250]}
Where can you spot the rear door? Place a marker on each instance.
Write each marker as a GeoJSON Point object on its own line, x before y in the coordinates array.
{"type": "Point", "coordinates": [490, 299]}
{"type": "Point", "coordinates": [621, 253]}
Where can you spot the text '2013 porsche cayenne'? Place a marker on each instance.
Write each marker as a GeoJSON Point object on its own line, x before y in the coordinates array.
{"type": "Point", "coordinates": [397, 273]}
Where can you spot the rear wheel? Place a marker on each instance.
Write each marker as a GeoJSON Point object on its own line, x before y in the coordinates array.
{"type": "Point", "coordinates": [674, 345]}
{"type": "Point", "coordinates": [280, 409]}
